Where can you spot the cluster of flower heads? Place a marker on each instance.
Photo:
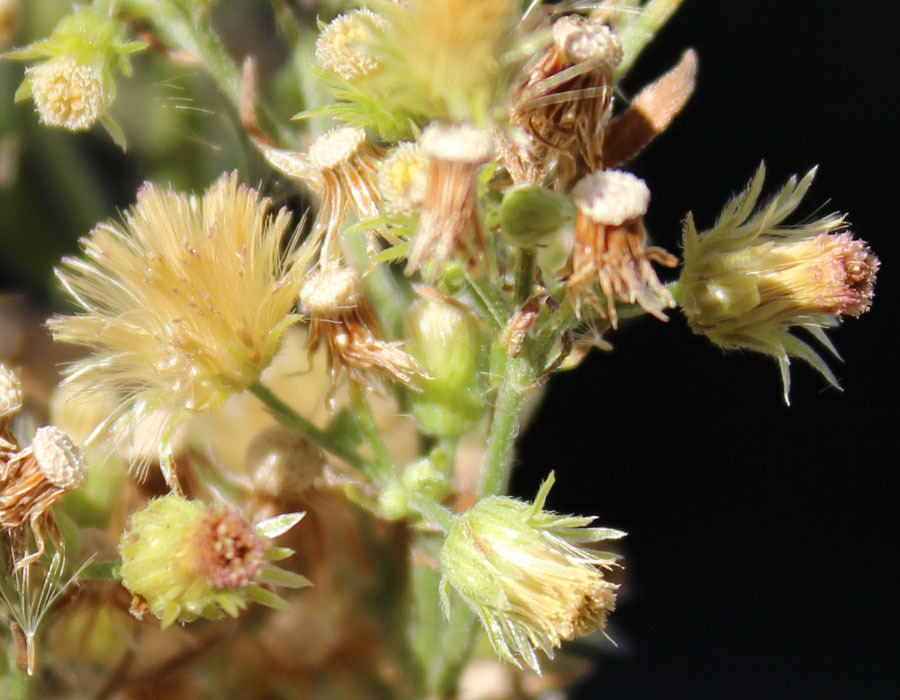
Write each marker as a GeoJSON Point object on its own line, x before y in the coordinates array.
{"type": "Point", "coordinates": [453, 111]}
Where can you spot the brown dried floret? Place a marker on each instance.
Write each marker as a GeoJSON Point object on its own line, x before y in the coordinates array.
{"type": "Point", "coordinates": [610, 247]}
{"type": "Point", "coordinates": [564, 101]}
{"type": "Point", "coordinates": [34, 479]}
{"type": "Point", "coordinates": [449, 223]}
{"type": "Point", "coordinates": [342, 321]}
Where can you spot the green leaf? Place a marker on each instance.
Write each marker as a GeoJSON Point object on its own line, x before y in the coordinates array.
{"type": "Point", "coordinates": [277, 526]}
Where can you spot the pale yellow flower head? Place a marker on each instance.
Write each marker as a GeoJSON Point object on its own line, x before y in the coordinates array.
{"type": "Point", "coordinates": [182, 304]}
{"type": "Point", "coordinates": [403, 179]}
{"type": "Point", "coordinates": [68, 94]}
{"type": "Point", "coordinates": [522, 570]}
{"type": "Point", "coordinates": [747, 281]}
{"type": "Point", "coordinates": [341, 46]}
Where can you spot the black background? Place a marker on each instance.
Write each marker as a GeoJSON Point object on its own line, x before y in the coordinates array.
{"type": "Point", "coordinates": [762, 539]}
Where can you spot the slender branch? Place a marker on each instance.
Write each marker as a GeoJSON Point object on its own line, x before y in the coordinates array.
{"type": "Point", "coordinates": [289, 418]}
{"type": "Point", "coordinates": [498, 457]}
{"type": "Point", "coordinates": [492, 300]}
{"type": "Point", "coordinates": [525, 258]}
{"type": "Point", "coordinates": [428, 508]}
{"type": "Point", "coordinates": [383, 471]}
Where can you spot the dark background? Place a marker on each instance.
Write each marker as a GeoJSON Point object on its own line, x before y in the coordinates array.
{"type": "Point", "coordinates": [762, 539]}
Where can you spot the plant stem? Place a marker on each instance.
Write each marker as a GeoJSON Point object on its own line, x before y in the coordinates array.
{"type": "Point", "coordinates": [517, 375]}
{"type": "Point", "coordinates": [383, 472]}
{"type": "Point", "coordinates": [492, 300]}
{"type": "Point", "coordinates": [524, 275]}
{"type": "Point", "coordinates": [640, 32]}
{"type": "Point", "coordinates": [428, 508]}
{"type": "Point", "coordinates": [289, 418]}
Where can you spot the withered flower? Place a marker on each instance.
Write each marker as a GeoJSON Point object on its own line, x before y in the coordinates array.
{"type": "Point", "coordinates": [340, 168]}
{"type": "Point", "coordinates": [449, 224]}
{"type": "Point", "coordinates": [34, 479]}
{"type": "Point", "coordinates": [610, 247]}
{"type": "Point", "coordinates": [564, 101]}
{"type": "Point", "coordinates": [341, 320]}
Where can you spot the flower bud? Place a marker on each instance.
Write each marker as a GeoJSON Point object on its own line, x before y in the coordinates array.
{"type": "Point", "coordinates": [448, 343]}
{"type": "Point", "coordinates": [530, 213]}
{"type": "Point", "coordinates": [182, 560]}
{"type": "Point", "coordinates": [520, 569]}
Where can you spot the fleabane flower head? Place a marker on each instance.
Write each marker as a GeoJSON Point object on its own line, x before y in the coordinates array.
{"type": "Point", "coordinates": [182, 304]}
{"type": "Point", "coordinates": [183, 559]}
{"type": "Point", "coordinates": [450, 224]}
{"type": "Point", "coordinates": [341, 45]}
{"type": "Point", "coordinates": [750, 278]}
{"type": "Point", "coordinates": [10, 404]}
{"type": "Point", "coordinates": [521, 570]}
{"type": "Point", "coordinates": [610, 248]}
{"type": "Point", "coordinates": [445, 59]}
{"type": "Point", "coordinates": [72, 84]}
{"type": "Point", "coordinates": [403, 179]}
{"type": "Point", "coordinates": [564, 99]}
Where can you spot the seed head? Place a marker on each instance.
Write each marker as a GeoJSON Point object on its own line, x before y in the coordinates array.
{"type": "Point", "coordinates": [610, 248]}
{"type": "Point", "coordinates": [522, 571]}
{"type": "Point", "coordinates": [750, 278]}
{"type": "Point", "coordinates": [10, 393]}
{"type": "Point", "coordinates": [34, 479]}
{"type": "Point", "coordinates": [182, 305]}
{"type": "Point", "coordinates": [342, 321]}
{"type": "Point", "coordinates": [341, 46]}
{"type": "Point", "coordinates": [563, 103]}
{"type": "Point", "coordinates": [449, 223]}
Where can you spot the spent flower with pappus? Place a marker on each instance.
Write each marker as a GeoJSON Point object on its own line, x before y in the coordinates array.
{"type": "Point", "coordinates": [523, 572]}
{"type": "Point", "coordinates": [72, 82]}
{"type": "Point", "coordinates": [750, 279]}
{"type": "Point", "coordinates": [181, 305]}
{"type": "Point", "coordinates": [183, 559]}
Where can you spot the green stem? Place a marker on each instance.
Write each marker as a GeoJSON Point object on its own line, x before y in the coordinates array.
{"type": "Point", "coordinates": [289, 418]}
{"type": "Point", "coordinates": [492, 300]}
{"type": "Point", "coordinates": [428, 508]}
{"type": "Point", "coordinates": [524, 275]}
{"type": "Point", "coordinates": [640, 32]}
{"type": "Point", "coordinates": [386, 294]}
{"type": "Point", "coordinates": [518, 374]}
{"type": "Point", "coordinates": [383, 472]}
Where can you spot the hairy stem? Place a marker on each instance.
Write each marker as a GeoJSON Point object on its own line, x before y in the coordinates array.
{"type": "Point", "coordinates": [383, 471]}
{"type": "Point", "coordinates": [289, 418]}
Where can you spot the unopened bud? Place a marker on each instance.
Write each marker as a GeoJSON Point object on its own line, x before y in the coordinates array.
{"type": "Point", "coordinates": [448, 343]}
{"type": "Point", "coordinates": [530, 213]}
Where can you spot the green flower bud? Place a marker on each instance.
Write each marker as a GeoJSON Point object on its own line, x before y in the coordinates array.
{"type": "Point", "coordinates": [520, 569]}
{"type": "Point", "coordinates": [182, 560]}
{"type": "Point", "coordinates": [530, 213]}
{"type": "Point", "coordinates": [448, 342]}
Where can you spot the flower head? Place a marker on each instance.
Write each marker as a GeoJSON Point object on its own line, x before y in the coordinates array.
{"type": "Point", "coordinates": [181, 305]}
{"type": "Point", "coordinates": [749, 279]}
{"type": "Point", "coordinates": [341, 46]}
{"type": "Point", "coordinates": [520, 569]}
{"type": "Point", "coordinates": [72, 84]}
{"type": "Point", "coordinates": [35, 478]}
{"type": "Point", "coordinates": [182, 560]}
{"type": "Point", "coordinates": [10, 405]}
{"type": "Point", "coordinates": [341, 320]}
{"type": "Point", "coordinates": [610, 246]}
{"type": "Point", "coordinates": [340, 168]}
{"type": "Point", "coordinates": [403, 179]}
{"type": "Point", "coordinates": [449, 223]}
{"type": "Point", "coordinates": [563, 102]}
